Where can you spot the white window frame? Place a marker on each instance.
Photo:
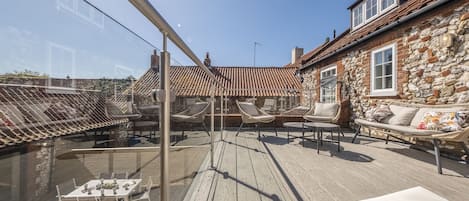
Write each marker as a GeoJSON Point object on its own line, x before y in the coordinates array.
{"type": "Point", "coordinates": [388, 8]}
{"type": "Point", "coordinates": [384, 92]}
{"type": "Point", "coordinates": [325, 69]}
{"type": "Point", "coordinates": [378, 3]}
{"type": "Point", "coordinates": [379, 13]}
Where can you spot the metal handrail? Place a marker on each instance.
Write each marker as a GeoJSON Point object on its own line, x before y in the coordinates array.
{"type": "Point", "coordinates": [145, 7]}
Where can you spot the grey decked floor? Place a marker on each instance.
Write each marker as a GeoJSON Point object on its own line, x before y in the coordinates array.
{"type": "Point", "coordinates": [272, 169]}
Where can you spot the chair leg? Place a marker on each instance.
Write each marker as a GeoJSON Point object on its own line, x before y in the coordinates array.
{"type": "Point", "coordinates": [357, 132]}
{"type": "Point", "coordinates": [258, 132]}
{"type": "Point", "coordinates": [437, 155]}
{"type": "Point", "coordinates": [237, 133]}
{"type": "Point", "coordinates": [206, 129]}
{"type": "Point", "coordinates": [466, 150]}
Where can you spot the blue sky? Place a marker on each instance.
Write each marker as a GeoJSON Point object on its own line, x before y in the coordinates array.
{"type": "Point", "coordinates": [228, 28]}
{"type": "Point", "coordinates": [70, 38]}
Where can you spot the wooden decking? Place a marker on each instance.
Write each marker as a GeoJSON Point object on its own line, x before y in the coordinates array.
{"type": "Point", "coordinates": [271, 169]}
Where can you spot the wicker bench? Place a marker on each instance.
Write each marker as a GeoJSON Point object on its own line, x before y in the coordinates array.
{"type": "Point", "coordinates": [436, 136]}
{"type": "Point", "coordinates": [31, 113]}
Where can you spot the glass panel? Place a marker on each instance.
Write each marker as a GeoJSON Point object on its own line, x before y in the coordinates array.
{"type": "Point", "coordinates": [388, 82]}
{"type": "Point", "coordinates": [378, 70]}
{"type": "Point", "coordinates": [388, 55]}
{"type": "Point", "coordinates": [371, 8]}
{"type": "Point", "coordinates": [378, 58]}
{"type": "Point", "coordinates": [386, 3]}
{"type": "Point", "coordinates": [379, 83]}
{"type": "Point", "coordinates": [358, 15]}
{"type": "Point", "coordinates": [388, 69]}
{"type": "Point", "coordinates": [104, 115]}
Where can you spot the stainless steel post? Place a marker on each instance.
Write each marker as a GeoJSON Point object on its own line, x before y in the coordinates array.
{"type": "Point", "coordinates": [212, 124]}
{"type": "Point", "coordinates": [222, 100]}
{"type": "Point", "coordinates": [164, 121]}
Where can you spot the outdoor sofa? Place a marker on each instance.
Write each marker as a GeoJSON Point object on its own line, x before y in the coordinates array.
{"type": "Point", "coordinates": [403, 123]}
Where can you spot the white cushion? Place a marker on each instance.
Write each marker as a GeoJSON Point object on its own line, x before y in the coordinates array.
{"type": "Point", "coordinates": [401, 115]}
{"type": "Point", "coordinates": [325, 109]}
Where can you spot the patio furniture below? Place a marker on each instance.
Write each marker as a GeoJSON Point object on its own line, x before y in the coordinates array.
{"type": "Point", "coordinates": [109, 188]}
{"type": "Point", "coordinates": [194, 114]}
{"type": "Point", "coordinates": [320, 127]}
{"type": "Point", "coordinates": [404, 122]}
{"type": "Point", "coordinates": [120, 175]}
{"type": "Point", "coordinates": [250, 114]}
{"type": "Point", "coordinates": [145, 195]}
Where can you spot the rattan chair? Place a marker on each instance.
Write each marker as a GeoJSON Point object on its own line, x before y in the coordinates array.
{"type": "Point", "coordinates": [194, 114]}
{"type": "Point", "coordinates": [250, 114]}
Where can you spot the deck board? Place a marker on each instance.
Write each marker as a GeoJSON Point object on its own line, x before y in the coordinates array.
{"type": "Point", "coordinates": [271, 169]}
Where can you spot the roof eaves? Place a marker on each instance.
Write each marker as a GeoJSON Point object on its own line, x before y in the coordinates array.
{"type": "Point", "coordinates": [378, 31]}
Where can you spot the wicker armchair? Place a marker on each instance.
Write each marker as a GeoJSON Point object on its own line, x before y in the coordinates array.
{"type": "Point", "coordinates": [194, 114]}
{"type": "Point", "coordinates": [250, 114]}
{"type": "Point", "coordinates": [318, 113]}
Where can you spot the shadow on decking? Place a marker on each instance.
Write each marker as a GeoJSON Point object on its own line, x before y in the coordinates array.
{"type": "Point", "coordinates": [417, 154]}
{"type": "Point", "coordinates": [242, 146]}
{"type": "Point", "coordinates": [278, 141]}
{"type": "Point", "coordinates": [226, 175]}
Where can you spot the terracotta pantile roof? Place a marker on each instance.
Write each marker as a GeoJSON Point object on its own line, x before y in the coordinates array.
{"type": "Point", "coordinates": [404, 9]}
{"type": "Point", "coordinates": [238, 81]}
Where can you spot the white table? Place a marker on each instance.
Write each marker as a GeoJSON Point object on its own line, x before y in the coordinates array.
{"type": "Point", "coordinates": [121, 192]}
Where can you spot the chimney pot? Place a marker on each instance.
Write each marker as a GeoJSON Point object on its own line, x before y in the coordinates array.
{"type": "Point", "coordinates": [296, 54]}
{"type": "Point", "coordinates": [155, 61]}
{"type": "Point", "coordinates": [207, 61]}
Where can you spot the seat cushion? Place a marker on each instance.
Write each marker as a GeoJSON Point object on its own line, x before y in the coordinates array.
{"type": "Point", "coordinates": [400, 115]}
{"type": "Point", "coordinates": [325, 109]}
{"type": "Point", "coordinates": [264, 118]}
{"type": "Point", "coordinates": [404, 130]}
{"type": "Point", "coordinates": [318, 118]}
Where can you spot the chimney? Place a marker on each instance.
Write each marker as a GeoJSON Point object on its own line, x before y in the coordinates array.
{"type": "Point", "coordinates": [207, 61]}
{"type": "Point", "coordinates": [296, 53]}
{"type": "Point", "coordinates": [155, 61]}
{"type": "Point", "coordinates": [334, 33]}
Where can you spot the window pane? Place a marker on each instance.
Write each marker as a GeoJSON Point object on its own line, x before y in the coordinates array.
{"type": "Point", "coordinates": [386, 3]}
{"type": "Point", "coordinates": [379, 83]}
{"type": "Point", "coordinates": [378, 58]}
{"type": "Point", "coordinates": [378, 70]}
{"type": "Point", "coordinates": [388, 82]}
{"type": "Point", "coordinates": [388, 55]}
{"type": "Point", "coordinates": [371, 8]}
{"type": "Point", "coordinates": [357, 15]}
{"type": "Point", "coordinates": [333, 72]}
{"type": "Point", "coordinates": [388, 69]}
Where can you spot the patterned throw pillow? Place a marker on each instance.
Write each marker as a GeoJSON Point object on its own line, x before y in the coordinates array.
{"type": "Point", "coordinates": [450, 121]}
{"type": "Point", "coordinates": [382, 112]}
{"type": "Point", "coordinates": [444, 121]}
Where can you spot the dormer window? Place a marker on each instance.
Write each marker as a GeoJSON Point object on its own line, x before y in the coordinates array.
{"type": "Point", "coordinates": [368, 10]}
{"type": "Point", "coordinates": [371, 8]}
